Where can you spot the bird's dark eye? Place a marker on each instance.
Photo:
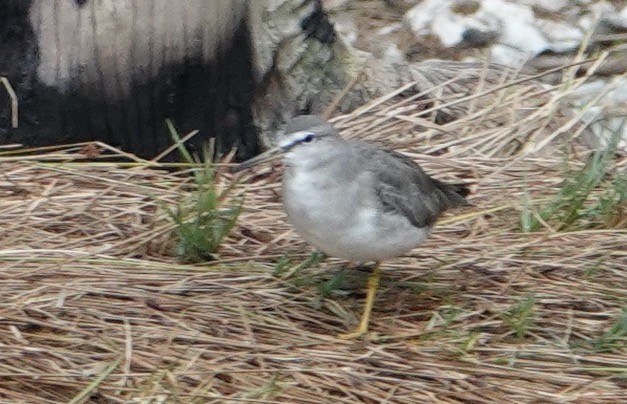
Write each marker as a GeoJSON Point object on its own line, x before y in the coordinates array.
{"type": "Point", "coordinates": [308, 138]}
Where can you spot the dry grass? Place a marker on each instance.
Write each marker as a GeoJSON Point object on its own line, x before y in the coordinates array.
{"type": "Point", "coordinates": [95, 308]}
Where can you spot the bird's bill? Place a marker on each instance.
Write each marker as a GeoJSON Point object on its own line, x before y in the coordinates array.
{"type": "Point", "coordinates": [262, 158]}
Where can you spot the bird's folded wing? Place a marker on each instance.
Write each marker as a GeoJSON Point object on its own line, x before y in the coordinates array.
{"type": "Point", "coordinates": [403, 188]}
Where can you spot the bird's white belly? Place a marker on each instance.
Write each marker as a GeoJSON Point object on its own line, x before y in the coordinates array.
{"type": "Point", "coordinates": [344, 228]}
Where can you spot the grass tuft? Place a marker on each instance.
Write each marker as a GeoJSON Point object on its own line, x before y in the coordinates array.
{"type": "Point", "coordinates": [615, 338]}
{"type": "Point", "coordinates": [520, 316]}
{"type": "Point", "coordinates": [207, 217]}
{"type": "Point", "coordinates": [285, 270]}
{"type": "Point", "coordinates": [589, 198]}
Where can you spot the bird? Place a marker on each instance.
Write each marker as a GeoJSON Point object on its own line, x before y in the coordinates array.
{"type": "Point", "coordinates": [355, 201]}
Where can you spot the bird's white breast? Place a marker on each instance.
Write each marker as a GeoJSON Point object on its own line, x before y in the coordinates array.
{"type": "Point", "coordinates": [337, 213]}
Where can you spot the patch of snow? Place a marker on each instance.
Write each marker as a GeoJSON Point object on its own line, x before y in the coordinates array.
{"type": "Point", "coordinates": [518, 26]}
{"type": "Point", "coordinates": [389, 29]}
{"type": "Point", "coordinates": [562, 37]}
{"type": "Point", "coordinates": [346, 28]}
{"type": "Point", "coordinates": [519, 33]}
{"type": "Point", "coordinates": [509, 56]}
{"type": "Point", "coordinates": [552, 6]}
{"type": "Point", "coordinates": [607, 118]}
{"type": "Point", "coordinates": [419, 17]}
{"type": "Point", "coordinates": [393, 54]}
{"type": "Point", "coordinates": [513, 24]}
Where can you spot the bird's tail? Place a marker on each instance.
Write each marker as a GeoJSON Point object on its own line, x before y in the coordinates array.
{"type": "Point", "coordinates": [460, 189]}
{"type": "Point", "coordinates": [455, 194]}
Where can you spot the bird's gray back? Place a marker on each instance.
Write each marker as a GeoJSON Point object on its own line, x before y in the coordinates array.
{"type": "Point", "coordinates": [404, 188]}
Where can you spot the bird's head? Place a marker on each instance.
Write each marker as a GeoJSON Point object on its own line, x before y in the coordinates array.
{"type": "Point", "coordinates": [304, 138]}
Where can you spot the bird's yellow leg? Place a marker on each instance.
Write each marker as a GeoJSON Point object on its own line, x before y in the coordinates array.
{"type": "Point", "coordinates": [373, 285]}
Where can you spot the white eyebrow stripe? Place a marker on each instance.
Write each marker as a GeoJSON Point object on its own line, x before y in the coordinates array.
{"type": "Point", "coordinates": [289, 140]}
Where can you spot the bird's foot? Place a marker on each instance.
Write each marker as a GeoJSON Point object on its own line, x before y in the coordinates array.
{"type": "Point", "coordinates": [359, 332]}
{"type": "Point", "coordinates": [373, 285]}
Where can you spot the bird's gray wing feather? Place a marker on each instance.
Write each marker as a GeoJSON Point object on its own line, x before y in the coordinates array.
{"type": "Point", "coordinates": [404, 188]}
